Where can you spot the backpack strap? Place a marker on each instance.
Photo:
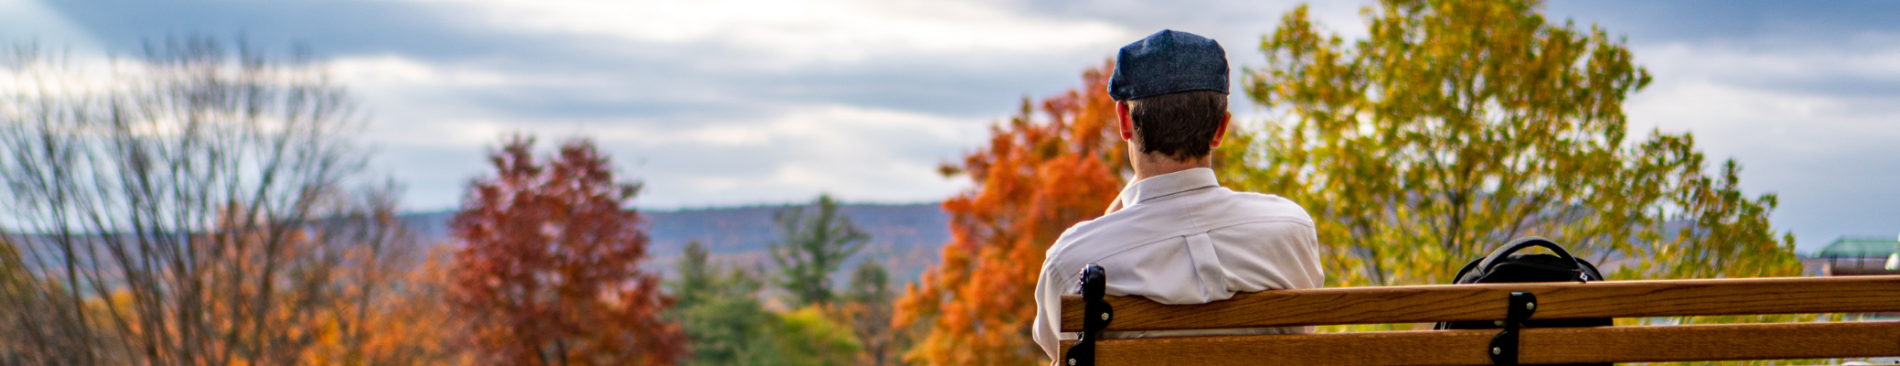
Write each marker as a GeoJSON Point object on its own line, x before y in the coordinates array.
{"type": "Point", "coordinates": [1512, 247]}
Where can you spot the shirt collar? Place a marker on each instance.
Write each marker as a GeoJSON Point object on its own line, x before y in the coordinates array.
{"type": "Point", "coordinates": [1166, 185]}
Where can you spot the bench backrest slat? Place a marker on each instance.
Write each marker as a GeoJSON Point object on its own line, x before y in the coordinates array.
{"type": "Point", "coordinates": [1434, 303]}
{"type": "Point", "coordinates": [1540, 345]}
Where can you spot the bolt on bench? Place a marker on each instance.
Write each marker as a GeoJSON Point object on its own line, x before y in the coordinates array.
{"type": "Point", "coordinates": [1092, 313]}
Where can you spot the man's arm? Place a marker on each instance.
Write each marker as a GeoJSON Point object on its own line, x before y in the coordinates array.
{"type": "Point", "coordinates": [1048, 313]}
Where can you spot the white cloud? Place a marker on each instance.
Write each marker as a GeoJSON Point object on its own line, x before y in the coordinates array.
{"type": "Point", "coordinates": [415, 104]}
{"type": "Point", "coordinates": [386, 71]}
{"type": "Point", "coordinates": [788, 153]}
{"type": "Point", "coordinates": [858, 153]}
{"type": "Point", "coordinates": [1870, 55]}
{"type": "Point", "coordinates": [1773, 100]}
{"type": "Point", "coordinates": [1763, 118]}
{"type": "Point", "coordinates": [804, 31]}
{"type": "Point", "coordinates": [1818, 125]}
{"type": "Point", "coordinates": [819, 126]}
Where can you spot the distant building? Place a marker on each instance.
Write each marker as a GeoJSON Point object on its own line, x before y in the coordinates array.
{"type": "Point", "coordinates": [1860, 256]}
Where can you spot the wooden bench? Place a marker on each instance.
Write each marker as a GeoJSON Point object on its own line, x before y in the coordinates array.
{"type": "Point", "coordinates": [1493, 302]}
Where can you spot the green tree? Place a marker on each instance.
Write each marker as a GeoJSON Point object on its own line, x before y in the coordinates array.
{"type": "Point", "coordinates": [697, 276]}
{"type": "Point", "coordinates": [806, 337]}
{"type": "Point", "coordinates": [728, 325]}
{"type": "Point", "coordinates": [868, 306]}
{"type": "Point", "coordinates": [720, 310]}
{"type": "Point", "coordinates": [871, 283]}
{"type": "Point", "coordinates": [814, 241]}
{"type": "Point", "coordinates": [1457, 125]}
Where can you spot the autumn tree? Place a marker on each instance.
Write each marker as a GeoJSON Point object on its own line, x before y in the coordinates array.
{"type": "Point", "coordinates": [383, 295]}
{"type": "Point", "coordinates": [1457, 125]}
{"type": "Point", "coordinates": [1056, 163]}
{"type": "Point", "coordinates": [814, 240]}
{"type": "Point", "coordinates": [550, 269]}
{"type": "Point", "coordinates": [18, 299]}
{"type": "Point", "coordinates": [170, 213]}
{"type": "Point", "coordinates": [400, 322]}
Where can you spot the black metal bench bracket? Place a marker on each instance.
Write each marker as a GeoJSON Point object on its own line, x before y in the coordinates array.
{"type": "Point", "coordinates": [1504, 347]}
{"type": "Point", "coordinates": [1096, 315]}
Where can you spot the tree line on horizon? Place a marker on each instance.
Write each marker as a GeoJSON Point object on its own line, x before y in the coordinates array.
{"type": "Point", "coordinates": [208, 206]}
{"type": "Point", "coordinates": [205, 205]}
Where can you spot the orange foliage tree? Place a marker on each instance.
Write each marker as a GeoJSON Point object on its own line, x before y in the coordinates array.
{"type": "Point", "coordinates": [550, 274]}
{"type": "Point", "coordinates": [1036, 178]}
{"type": "Point", "coordinates": [390, 314]}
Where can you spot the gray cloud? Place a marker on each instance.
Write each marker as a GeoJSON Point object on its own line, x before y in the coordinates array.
{"type": "Point", "coordinates": [1745, 22]}
{"type": "Point", "coordinates": [1803, 94]}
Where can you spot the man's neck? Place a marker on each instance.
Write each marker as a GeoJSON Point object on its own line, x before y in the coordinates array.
{"type": "Point", "coordinates": [1154, 164]}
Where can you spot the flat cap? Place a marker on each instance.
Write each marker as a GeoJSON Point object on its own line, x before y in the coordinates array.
{"type": "Point", "coordinates": [1168, 62]}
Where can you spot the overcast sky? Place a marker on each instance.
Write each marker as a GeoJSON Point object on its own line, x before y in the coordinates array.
{"type": "Point", "coordinates": [725, 102]}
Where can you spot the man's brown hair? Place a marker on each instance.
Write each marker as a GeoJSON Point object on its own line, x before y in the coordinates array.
{"type": "Point", "coordinates": [1179, 125]}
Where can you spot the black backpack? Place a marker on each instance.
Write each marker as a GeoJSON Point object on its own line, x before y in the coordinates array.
{"type": "Point", "coordinates": [1504, 267]}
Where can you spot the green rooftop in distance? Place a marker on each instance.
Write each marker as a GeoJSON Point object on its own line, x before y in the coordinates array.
{"type": "Point", "coordinates": [1847, 247]}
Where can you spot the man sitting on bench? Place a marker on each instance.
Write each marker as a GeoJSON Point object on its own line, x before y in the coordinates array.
{"type": "Point", "coordinates": [1175, 235]}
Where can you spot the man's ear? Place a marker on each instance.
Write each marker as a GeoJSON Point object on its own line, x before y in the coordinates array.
{"type": "Point", "coordinates": [1220, 133]}
{"type": "Point", "coordinates": [1126, 125]}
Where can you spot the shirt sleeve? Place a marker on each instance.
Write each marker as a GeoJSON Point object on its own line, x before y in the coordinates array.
{"type": "Point", "coordinates": [1315, 272]}
{"type": "Point", "coordinates": [1048, 313]}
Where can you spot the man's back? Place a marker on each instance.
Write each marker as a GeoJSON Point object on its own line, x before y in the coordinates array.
{"type": "Point", "coordinates": [1183, 239]}
{"type": "Point", "coordinates": [1175, 235]}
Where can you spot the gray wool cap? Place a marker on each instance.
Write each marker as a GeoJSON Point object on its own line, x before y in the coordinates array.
{"type": "Point", "coordinates": [1168, 62]}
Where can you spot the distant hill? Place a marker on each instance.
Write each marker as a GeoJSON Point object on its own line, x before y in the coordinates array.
{"type": "Point", "coordinates": [905, 238]}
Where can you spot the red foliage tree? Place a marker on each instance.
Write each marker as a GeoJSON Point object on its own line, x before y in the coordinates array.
{"type": "Point", "coordinates": [550, 274]}
{"type": "Point", "coordinates": [1037, 177]}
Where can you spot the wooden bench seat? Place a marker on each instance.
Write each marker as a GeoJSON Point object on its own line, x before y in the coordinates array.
{"type": "Point", "coordinates": [1436, 303]}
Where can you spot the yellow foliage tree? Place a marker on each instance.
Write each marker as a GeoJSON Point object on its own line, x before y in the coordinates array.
{"type": "Point", "coordinates": [1458, 125]}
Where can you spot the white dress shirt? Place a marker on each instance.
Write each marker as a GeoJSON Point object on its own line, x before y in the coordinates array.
{"type": "Point", "coordinates": [1181, 238]}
